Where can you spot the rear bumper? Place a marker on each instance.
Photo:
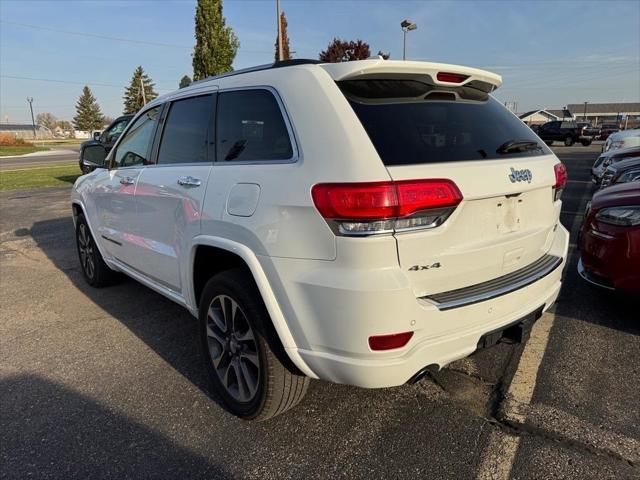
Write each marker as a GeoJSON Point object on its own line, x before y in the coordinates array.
{"type": "Point", "coordinates": [333, 312]}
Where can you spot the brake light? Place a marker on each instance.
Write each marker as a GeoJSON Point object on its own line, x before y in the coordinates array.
{"type": "Point", "coordinates": [561, 180]}
{"type": "Point", "coordinates": [451, 77]}
{"type": "Point", "coordinates": [368, 208]}
{"type": "Point", "coordinates": [389, 342]}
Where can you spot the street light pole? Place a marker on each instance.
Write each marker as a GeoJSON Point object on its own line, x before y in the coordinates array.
{"type": "Point", "coordinates": [407, 26]}
{"type": "Point", "coordinates": [33, 122]}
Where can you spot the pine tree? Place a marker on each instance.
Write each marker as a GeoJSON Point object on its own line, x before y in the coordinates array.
{"type": "Point", "coordinates": [216, 44]}
{"type": "Point", "coordinates": [185, 81]}
{"type": "Point", "coordinates": [343, 51]}
{"type": "Point", "coordinates": [88, 115]}
{"type": "Point", "coordinates": [133, 98]}
{"type": "Point", "coordinates": [286, 54]}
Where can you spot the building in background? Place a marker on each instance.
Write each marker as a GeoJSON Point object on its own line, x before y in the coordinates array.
{"type": "Point", "coordinates": [25, 131]}
{"type": "Point", "coordinates": [598, 113]}
{"type": "Point", "coordinates": [538, 117]}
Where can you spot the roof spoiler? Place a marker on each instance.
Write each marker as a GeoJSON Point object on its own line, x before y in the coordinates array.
{"type": "Point", "coordinates": [439, 73]}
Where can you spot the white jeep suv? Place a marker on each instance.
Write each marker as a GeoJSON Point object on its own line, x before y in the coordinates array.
{"type": "Point", "coordinates": [360, 222]}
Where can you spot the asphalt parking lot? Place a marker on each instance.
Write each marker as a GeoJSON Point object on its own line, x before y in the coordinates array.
{"type": "Point", "coordinates": [107, 383]}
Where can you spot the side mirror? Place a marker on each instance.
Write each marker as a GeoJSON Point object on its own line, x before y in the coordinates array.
{"type": "Point", "coordinates": [94, 156]}
{"type": "Point", "coordinates": [96, 135]}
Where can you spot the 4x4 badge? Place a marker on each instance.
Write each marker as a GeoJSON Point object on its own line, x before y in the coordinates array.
{"type": "Point", "coordinates": [520, 175]}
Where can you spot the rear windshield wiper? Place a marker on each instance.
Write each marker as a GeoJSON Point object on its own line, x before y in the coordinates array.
{"type": "Point", "coordinates": [513, 146]}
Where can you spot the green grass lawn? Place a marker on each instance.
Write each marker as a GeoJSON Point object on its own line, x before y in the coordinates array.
{"type": "Point", "coordinates": [19, 150]}
{"type": "Point", "coordinates": [38, 177]}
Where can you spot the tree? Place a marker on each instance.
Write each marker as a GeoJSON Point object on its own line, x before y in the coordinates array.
{"type": "Point", "coordinates": [286, 54]}
{"type": "Point", "coordinates": [343, 51]}
{"type": "Point", "coordinates": [133, 98]}
{"type": "Point", "coordinates": [88, 115]}
{"type": "Point", "coordinates": [107, 120]}
{"type": "Point", "coordinates": [185, 81]}
{"type": "Point", "coordinates": [216, 44]}
{"type": "Point", "coordinates": [47, 120]}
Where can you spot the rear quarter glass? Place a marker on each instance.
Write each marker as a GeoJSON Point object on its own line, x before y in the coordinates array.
{"type": "Point", "coordinates": [411, 122]}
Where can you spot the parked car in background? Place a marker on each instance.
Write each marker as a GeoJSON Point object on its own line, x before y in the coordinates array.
{"type": "Point", "coordinates": [607, 129]}
{"type": "Point", "coordinates": [609, 239]}
{"type": "Point", "coordinates": [107, 139]}
{"type": "Point", "coordinates": [591, 131]}
{"type": "Point", "coordinates": [610, 158]}
{"type": "Point", "coordinates": [622, 172]}
{"type": "Point", "coordinates": [623, 139]}
{"type": "Point", "coordinates": [337, 227]}
{"type": "Point", "coordinates": [567, 132]}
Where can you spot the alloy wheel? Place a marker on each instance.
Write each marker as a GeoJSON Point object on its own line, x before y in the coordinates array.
{"type": "Point", "coordinates": [86, 249]}
{"type": "Point", "coordinates": [233, 348]}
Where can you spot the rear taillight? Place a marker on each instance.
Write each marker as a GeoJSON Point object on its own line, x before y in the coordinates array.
{"type": "Point", "coordinates": [389, 342]}
{"type": "Point", "coordinates": [561, 180]}
{"type": "Point", "coordinates": [451, 77]}
{"type": "Point", "coordinates": [383, 207]}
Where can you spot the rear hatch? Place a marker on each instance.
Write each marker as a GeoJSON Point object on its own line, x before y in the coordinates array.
{"type": "Point", "coordinates": [423, 128]}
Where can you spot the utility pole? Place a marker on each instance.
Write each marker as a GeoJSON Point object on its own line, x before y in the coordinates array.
{"type": "Point", "coordinates": [33, 122]}
{"type": "Point", "coordinates": [144, 98]}
{"type": "Point", "coordinates": [279, 31]}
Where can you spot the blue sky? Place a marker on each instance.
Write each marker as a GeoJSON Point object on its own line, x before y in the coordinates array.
{"type": "Point", "coordinates": [549, 53]}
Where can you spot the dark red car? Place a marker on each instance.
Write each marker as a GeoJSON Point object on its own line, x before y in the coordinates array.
{"type": "Point", "coordinates": [610, 238]}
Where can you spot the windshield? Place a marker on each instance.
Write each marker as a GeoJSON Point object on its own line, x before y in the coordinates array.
{"type": "Point", "coordinates": [411, 122]}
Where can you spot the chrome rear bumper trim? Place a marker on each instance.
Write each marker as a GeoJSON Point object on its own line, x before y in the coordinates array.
{"type": "Point", "coordinates": [496, 287]}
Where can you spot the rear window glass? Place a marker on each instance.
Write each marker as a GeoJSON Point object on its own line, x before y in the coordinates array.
{"type": "Point", "coordinates": [410, 122]}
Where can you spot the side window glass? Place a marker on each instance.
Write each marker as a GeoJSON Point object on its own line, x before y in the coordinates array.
{"type": "Point", "coordinates": [135, 147]}
{"type": "Point", "coordinates": [250, 127]}
{"type": "Point", "coordinates": [114, 132]}
{"type": "Point", "coordinates": [185, 135]}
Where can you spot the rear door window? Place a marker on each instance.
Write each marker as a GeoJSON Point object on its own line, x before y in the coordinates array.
{"type": "Point", "coordinates": [410, 122]}
{"type": "Point", "coordinates": [250, 127]}
{"type": "Point", "coordinates": [185, 137]}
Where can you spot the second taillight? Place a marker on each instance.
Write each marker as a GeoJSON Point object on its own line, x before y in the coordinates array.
{"type": "Point", "coordinates": [561, 180]}
{"type": "Point", "coordinates": [381, 207]}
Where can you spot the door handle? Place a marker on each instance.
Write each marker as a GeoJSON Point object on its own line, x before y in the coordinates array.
{"type": "Point", "coordinates": [189, 181]}
{"type": "Point", "coordinates": [127, 180]}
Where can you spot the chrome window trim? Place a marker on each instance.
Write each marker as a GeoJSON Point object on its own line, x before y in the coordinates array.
{"type": "Point", "coordinates": [293, 140]}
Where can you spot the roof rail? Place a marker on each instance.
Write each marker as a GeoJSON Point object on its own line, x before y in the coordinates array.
{"type": "Point", "coordinates": [258, 68]}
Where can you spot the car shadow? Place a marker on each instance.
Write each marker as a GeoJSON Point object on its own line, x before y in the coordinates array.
{"type": "Point", "coordinates": [51, 431]}
{"type": "Point", "coordinates": [164, 326]}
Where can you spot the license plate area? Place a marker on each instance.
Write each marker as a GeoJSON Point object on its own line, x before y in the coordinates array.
{"type": "Point", "coordinates": [509, 214]}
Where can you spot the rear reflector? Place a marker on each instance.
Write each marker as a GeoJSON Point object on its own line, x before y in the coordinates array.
{"type": "Point", "coordinates": [389, 342]}
{"type": "Point", "coordinates": [451, 77]}
{"type": "Point", "coordinates": [383, 200]}
{"type": "Point", "coordinates": [561, 180]}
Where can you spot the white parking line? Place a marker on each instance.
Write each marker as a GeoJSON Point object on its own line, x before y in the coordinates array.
{"type": "Point", "coordinates": [501, 450]}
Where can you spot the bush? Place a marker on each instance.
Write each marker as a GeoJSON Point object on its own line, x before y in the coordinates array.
{"type": "Point", "coordinates": [10, 140]}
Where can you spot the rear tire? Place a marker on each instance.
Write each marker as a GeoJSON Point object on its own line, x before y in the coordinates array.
{"type": "Point", "coordinates": [95, 270]}
{"type": "Point", "coordinates": [568, 141]}
{"type": "Point", "coordinates": [242, 354]}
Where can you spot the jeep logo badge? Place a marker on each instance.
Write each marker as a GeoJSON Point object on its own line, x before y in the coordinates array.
{"type": "Point", "coordinates": [520, 175]}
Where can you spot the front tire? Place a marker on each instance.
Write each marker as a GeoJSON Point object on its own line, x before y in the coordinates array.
{"type": "Point", "coordinates": [95, 270]}
{"type": "Point", "coordinates": [242, 355]}
{"type": "Point", "coordinates": [568, 141]}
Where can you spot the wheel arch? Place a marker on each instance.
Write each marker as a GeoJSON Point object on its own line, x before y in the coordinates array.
{"type": "Point", "coordinates": [232, 254]}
